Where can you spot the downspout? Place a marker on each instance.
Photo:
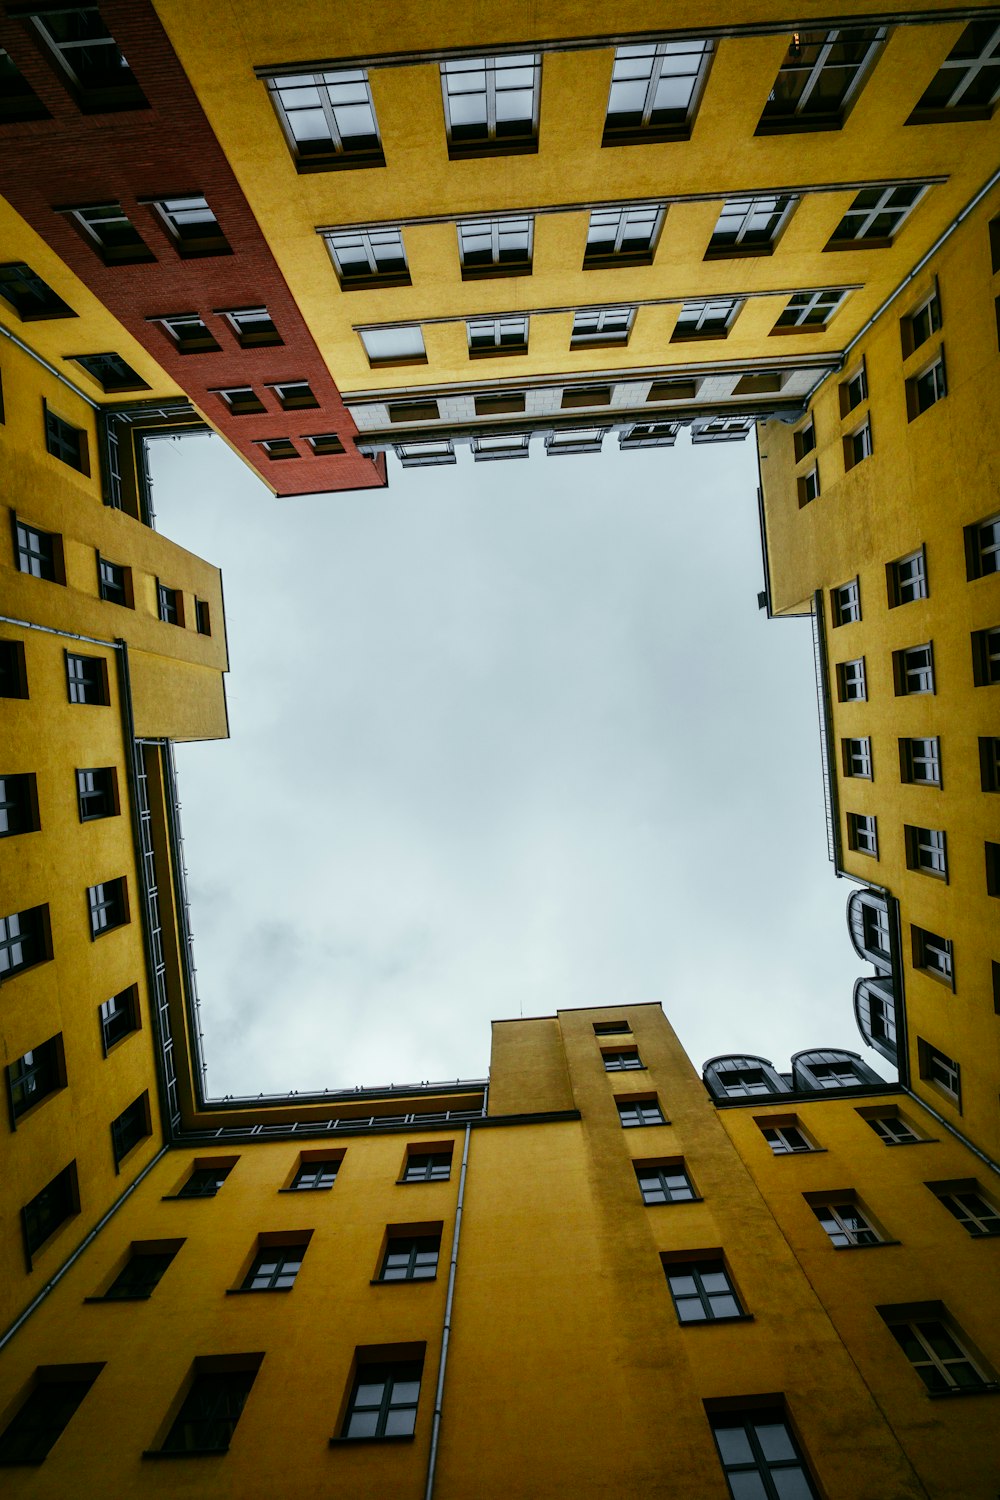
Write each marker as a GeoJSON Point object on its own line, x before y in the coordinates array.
{"type": "Point", "coordinates": [446, 1330]}
{"type": "Point", "coordinates": [919, 1099]}
{"type": "Point", "coordinates": [63, 380]}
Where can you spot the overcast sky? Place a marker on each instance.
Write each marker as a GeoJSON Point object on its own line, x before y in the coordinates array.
{"type": "Point", "coordinates": [506, 738]}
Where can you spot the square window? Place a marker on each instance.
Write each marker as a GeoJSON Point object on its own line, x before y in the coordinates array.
{"type": "Point", "coordinates": [328, 119]}
{"type": "Point", "coordinates": [851, 682]}
{"type": "Point", "coordinates": [664, 1182]}
{"type": "Point", "coordinates": [845, 603]}
{"type": "Point", "coordinates": [893, 1130]}
{"type": "Point", "coordinates": [90, 59]}
{"type": "Point", "coordinates": [623, 1060]}
{"type": "Point", "coordinates": [132, 1126]}
{"type": "Point", "coordinates": [241, 401]}
{"type": "Point", "coordinates": [213, 1404]}
{"type": "Point", "coordinates": [108, 905]}
{"type": "Point", "coordinates": [495, 247]}
{"type": "Point", "coordinates": [925, 850]}
{"type": "Point", "coordinates": [189, 333]}
{"type": "Point", "coordinates": [848, 1227]}
{"type": "Point", "coordinates": [204, 1180]}
{"type": "Point", "coordinates": [368, 257]}
{"type": "Point", "coordinates": [906, 578]}
{"type": "Point", "coordinates": [142, 1273]}
{"type": "Point", "coordinates": [118, 1017]}
{"type": "Point", "coordinates": [937, 1068]}
{"type": "Point", "coordinates": [920, 761]}
{"type": "Point", "coordinates": [702, 1290]}
{"type": "Point", "coordinates": [918, 326]}
{"type": "Point", "coordinates": [170, 604]}
{"type": "Point", "coordinates": [295, 395]}
{"type": "Point", "coordinates": [24, 940]}
{"type": "Point", "coordinates": [978, 1216]}
{"type": "Point", "coordinates": [503, 445]}
{"type": "Point", "coordinates": [967, 84]}
{"type": "Point", "coordinates": [933, 955]}
{"type": "Point", "coordinates": [857, 756]}
{"type": "Point", "coordinates": [875, 217]}
{"type": "Point", "coordinates": [602, 325]}
{"type": "Point", "coordinates": [759, 1454]}
{"type": "Point", "coordinates": [635, 1110]}
{"type": "Point", "coordinates": [97, 793]}
{"type": "Point", "coordinates": [913, 670]}
{"type": "Point", "coordinates": [986, 656]}
{"type": "Point", "coordinates": [935, 1348]}
{"type": "Point", "coordinates": [427, 1166]}
{"type": "Point", "coordinates": [926, 388]}
{"type": "Point", "coordinates": [403, 344]}
{"type": "Point", "coordinates": [672, 390]}
{"type": "Point", "coordinates": [18, 805]}
{"type": "Point", "coordinates": [384, 1397]}
{"type": "Point", "coordinates": [503, 404]}
{"type": "Point", "coordinates": [785, 1136]}
{"type": "Point", "coordinates": [192, 225]}
{"type": "Point", "coordinates": [66, 442]}
{"type": "Point", "coordinates": [114, 582]}
{"type": "Point", "coordinates": [410, 1256]}
{"type": "Point", "coordinates": [655, 90]}
{"type": "Point", "coordinates": [43, 1416]}
{"type": "Point", "coordinates": [13, 675]}
{"type": "Point", "coordinates": [807, 486]}
{"type": "Point", "coordinates": [278, 448]}
{"type": "Point", "coordinates": [413, 411]}
{"type": "Point", "coordinates": [862, 834]}
{"type": "Point", "coordinates": [58, 1201]}
{"type": "Point", "coordinates": [315, 1174]}
{"type": "Point", "coordinates": [989, 763]}
{"type": "Point", "coordinates": [820, 77]}
{"type": "Point", "coordinates": [35, 1075]}
{"type": "Point", "coordinates": [275, 1266]}
{"type": "Point", "coordinates": [622, 236]}
{"type": "Point", "coordinates": [110, 231]}
{"type": "Point", "coordinates": [809, 312]}
{"type": "Point", "coordinates": [324, 444]}
{"type": "Point", "coordinates": [491, 104]}
{"type": "Point", "coordinates": [253, 327]}
{"type": "Point", "coordinates": [707, 320]}
{"type": "Point", "coordinates": [502, 335]}
{"type": "Point", "coordinates": [858, 445]}
{"type": "Point", "coordinates": [982, 548]}
{"type": "Point", "coordinates": [30, 297]}
{"type": "Point", "coordinates": [18, 100]}
{"type": "Point", "coordinates": [750, 226]}
{"type": "Point", "coordinates": [585, 396]}
{"type": "Point", "coordinates": [804, 440]}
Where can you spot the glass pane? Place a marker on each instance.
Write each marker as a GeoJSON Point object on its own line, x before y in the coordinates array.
{"type": "Point", "coordinates": [791, 1484]}
{"type": "Point", "coordinates": [362, 1424]}
{"type": "Point", "coordinates": [400, 1423]}
{"type": "Point", "coordinates": [734, 1445]}
{"type": "Point", "coordinates": [775, 1440]}
{"type": "Point", "coordinates": [747, 1486]}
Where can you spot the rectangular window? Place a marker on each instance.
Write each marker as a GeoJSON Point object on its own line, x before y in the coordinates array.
{"type": "Point", "coordinates": [67, 443]}
{"type": "Point", "coordinates": [384, 1397]}
{"type": "Point", "coordinates": [926, 388]}
{"type": "Point", "coordinates": [585, 396]}
{"type": "Point", "coordinates": [425, 455]}
{"type": "Point", "coordinates": [18, 805]}
{"type": "Point", "coordinates": [744, 1082]}
{"type": "Point", "coordinates": [925, 850]}
{"type": "Point", "coordinates": [315, 1174]}
{"type": "Point", "coordinates": [110, 231]}
{"type": "Point", "coordinates": [906, 578]}
{"type": "Point", "coordinates": [495, 247]}
{"type": "Point", "coordinates": [602, 325]}
{"type": "Point", "coordinates": [30, 297]}
{"type": "Point", "coordinates": [491, 104]}
{"type": "Point", "coordinates": [58, 1201]}
{"type": "Point", "coordinates": [43, 1416]}
{"type": "Point", "coordinates": [702, 1290]}
{"type": "Point", "coordinates": [278, 448]}
{"type": "Point", "coordinates": [409, 1256]}
{"type": "Point", "coordinates": [622, 236]}
{"type": "Point", "coordinates": [664, 1182]}
{"type": "Point", "coordinates": [992, 852]}
{"type": "Point", "coordinates": [893, 1129]}
{"type": "Point", "coordinates": [655, 90]}
{"type": "Point", "coordinates": [847, 1226]}
{"type": "Point", "coordinates": [132, 1126]}
{"type": "Point", "coordinates": [786, 1138]}
{"type": "Point", "coordinates": [918, 326]}
{"type": "Point", "coordinates": [328, 119]}
{"type": "Point", "coordinates": [501, 335]}
{"type": "Point", "coordinates": [976, 1214]}
{"type": "Point", "coordinates": [143, 1271]}
{"type": "Point", "coordinates": [34, 1075]}
{"type": "Point", "coordinates": [875, 930]}
{"type": "Point", "coordinates": [851, 681]}
{"type": "Point", "coordinates": [862, 834]}
{"type": "Point", "coordinates": [427, 1166]}
{"type": "Point", "coordinates": [805, 440]}
{"type": "Point", "coordinates": [920, 761]}
{"type": "Point", "coordinates": [189, 333]}
{"type": "Point", "coordinates": [18, 100]}
{"type": "Point", "coordinates": [982, 548]}
{"type": "Point", "coordinates": [913, 670]}
{"type": "Point", "coordinates": [295, 395]}
{"type": "Point", "coordinates": [575, 440]}
{"type": "Point", "coordinates": [853, 390]}
{"type": "Point", "coordinates": [858, 445]}
{"type": "Point", "coordinates": [108, 904]}
{"type": "Point", "coordinates": [625, 1060]}
{"type": "Point", "coordinates": [845, 603]}
{"type": "Point", "coordinates": [24, 940]}
{"type": "Point", "coordinates": [937, 1068]}
{"type": "Point", "coordinates": [39, 553]}
{"type": "Point", "coordinates": [750, 226]}
{"type": "Point", "coordinates": [635, 1109]}
{"type": "Point", "coordinates": [275, 1266]}
{"type": "Point", "coordinates": [241, 401]}
{"type": "Point", "coordinates": [324, 444]}
{"type": "Point", "coordinates": [203, 616]}
{"type": "Point", "coordinates": [834, 1075]}
{"type": "Point", "coordinates": [933, 1345]}
{"type": "Point", "coordinates": [933, 954]}
{"type": "Point", "coordinates": [875, 217]}
{"type": "Point", "coordinates": [819, 79]}
{"type": "Point", "coordinates": [989, 763]}
{"type": "Point", "coordinates": [986, 656]}
{"type": "Point", "coordinates": [707, 320]}
{"type": "Point", "coordinates": [13, 674]}
{"type": "Point", "coordinates": [672, 390]}
{"type": "Point", "coordinates": [253, 327]}
{"type": "Point", "coordinates": [170, 604]}
{"type": "Point", "coordinates": [402, 345]}
{"type": "Point", "coordinates": [192, 226]}
{"type": "Point", "coordinates": [204, 1181]}
{"type": "Point", "coordinates": [91, 60]}
{"type": "Point", "coordinates": [368, 257]}
{"type": "Point", "coordinates": [759, 1455]}
{"type": "Point", "coordinates": [967, 84]}
{"type": "Point", "coordinates": [213, 1404]}
{"type": "Point", "coordinates": [118, 1017]}
{"type": "Point", "coordinates": [649, 435]}
{"type": "Point", "coordinates": [857, 757]}
{"type": "Point", "coordinates": [504, 445]}
{"type": "Point", "coordinates": [114, 582]}
{"type": "Point", "coordinates": [809, 312]}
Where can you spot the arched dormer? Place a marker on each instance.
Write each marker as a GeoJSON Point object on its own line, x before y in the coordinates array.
{"type": "Point", "coordinates": [732, 1077]}
{"type": "Point", "coordinates": [870, 927]}
{"type": "Point", "coordinates": [830, 1068]}
{"type": "Point", "coordinates": [875, 1012]}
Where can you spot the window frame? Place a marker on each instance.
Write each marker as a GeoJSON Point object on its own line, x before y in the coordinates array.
{"type": "Point", "coordinates": [747, 207]}
{"type": "Point", "coordinates": [847, 681]}
{"type": "Point", "coordinates": [845, 603]}
{"type": "Point", "coordinates": [389, 1373]}
{"type": "Point", "coordinates": [941, 1071]}
{"type": "Point", "coordinates": [646, 129]}
{"type": "Point", "coordinates": [92, 98]}
{"type": "Point", "coordinates": [668, 1173]}
{"type": "Point", "coordinates": [640, 1105]}
{"type": "Point", "coordinates": [807, 303]}
{"type": "Point", "coordinates": [108, 906]}
{"type": "Point", "coordinates": [410, 1246]}
{"type": "Point", "coordinates": [31, 298]}
{"type": "Point", "coordinates": [867, 216]}
{"type": "Point", "coordinates": [332, 152]}
{"type": "Point", "coordinates": [43, 1074]}
{"type": "Point", "coordinates": [696, 1269]}
{"type": "Point", "coordinates": [113, 1032]}
{"type": "Point", "coordinates": [32, 940]}
{"type": "Point", "coordinates": [910, 1317]}
{"type": "Point", "coordinates": [986, 656]}
{"type": "Point", "coordinates": [862, 834]}
{"type": "Point", "coordinates": [192, 237]}
{"type": "Point", "coordinates": [967, 70]}
{"type": "Point", "coordinates": [628, 216]}
{"type": "Point", "coordinates": [933, 955]}
{"type": "Point", "coordinates": [920, 396]}
{"type": "Point", "coordinates": [370, 242]}
{"type": "Point", "coordinates": [499, 225]}
{"type": "Point", "coordinates": [701, 328]}
{"type": "Point", "coordinates": [758, 1414]}
{"type": "Point", "coordinates": [119, 250]}
{"type": "Point", "coordinates": [130, 1129]}
{"type": "Point", "coordinates": [799, 119]}
{"type": "Point", "coordinates": [495, 323]}
{"type": "Point", "coordinates": [926, 850]}
{"type": "Point", "coordinates": [18, 805]}
{"type": "Point", "coordinates": [903, 588]}
{"type": "Point", "coordinates": [847, 1225]}
{"type": "Point", "coordinates": [114, 583]}
{"type": "Point", "coordinates": [490, 143]}
{"type": "Point", "coordinates": [912, 679]}
{"type": "Point", "coordinates": [911, 760]}
{"type": "Point", "coordinates": [857, 757]}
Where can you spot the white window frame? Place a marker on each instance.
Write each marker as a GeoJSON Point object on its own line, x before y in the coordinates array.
{"type": "Point", "coordinates": [651, 64]}
{"type": "Point", "coordinates": [335, 148]}
{"type": "Point", "coordinates": [494, 89]}
{"type": "Point", "coordinates": [602, 325]}
{"type": "Point", "coordinates": [702, 308]}
{"type": "Point", "coordinates": [859, 218]}
{"type": "Point", "coordinates": [403, 355]}
{"type": "Point", "coordinates": [745, 212]}
{"type": "Point", "coordinates": [650, 215]}
{"type": "Point", "coordinates": [370, 242]}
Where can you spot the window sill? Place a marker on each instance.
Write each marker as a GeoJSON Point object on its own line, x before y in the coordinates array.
{"type": "Point", "coordinates": [737, 252]}
{"type": "Point", "coordinates": [976, 1390]}
{"type": "Point", "coordinates": [674, 1202]}
{"type": "Point", "coordinates": [393, 1437]}
{"type": "Point", "coordinates": [696, 338]}
{"type": "Point", "coordinates": [930, 1140]}
{"type": "Point", "coordinates": [498, 353]}
{"type": "Point", "coordinates": [401, 1281]}
{"type": "Point", "coordinates": [387, 364]}
{"type": "Point", "coordinates": [711, 1322]}
{"type": "Point", "coordinates": [798, 126]}
{"type": "Point", "coordinates": [610, 262]}
{"type": "Point", "coordinates": [777, 332]}
{"type": "Point", "coordinates": [651, 135]}
{"type": "Point", "coordinates": [185, 1452]}
{"type": "Point", "coordinates": [813, 1151]}
{"type": "Point", "coordinates": [255, 1291]}
{"type": "Point", "coordinates": [344, 163]}
{"type": "Point", "coordinates": [132, 1297]}
{"type": "Point", "coordinates": [582, 343]}
{"type": "Point", "coordinates": [188, 1197]}
{"type": "Point", "coordinates": [308, 1189]}
{"type": "Point", "coordinates": [422, 1182]}
{"type": "Point", "coordinates": [476, 150]}
{"type": "Point", "coordinates": [374, 283]}
{"type": "Point", "coordinates": [489, 273]}
{"type": "Point", "coordinates": [879, 244]}
{"type": "Point", "coordinates": [879, 1245]}
{"type": "Point", "coordinates": [646, 1125]}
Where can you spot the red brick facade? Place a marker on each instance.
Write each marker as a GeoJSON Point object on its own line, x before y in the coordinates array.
{"type": "Point", "coordinates": [76, 157]}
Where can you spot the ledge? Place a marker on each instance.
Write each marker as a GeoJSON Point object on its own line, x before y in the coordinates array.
{"type": "Point", "coordinates": [255, 1291]}
{"type": "Point", "coordinates": [393, 1437]}
{"type": "Point", "coordinates": [401, 1281]}
{"type": "Point", "coordinates": [184, 1452]}
{"type": "Point", "coordinates": [132, 1297]}
{"type": "Point", "coordinates": [711, 1322]}
{"type": "Point", "coordinates": [878, 1245]}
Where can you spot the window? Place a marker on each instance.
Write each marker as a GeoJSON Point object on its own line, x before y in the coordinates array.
{"type": "Point", "coordinates": [989, 763]}
{"type": "Point", "coordinates": [586, 395]}
{"type": "Point", "coordinates": [295, 395]}
{"type": "Point", "coordinates": [925, 850]}
{"type": "Point", "coordinates": [602, 325]}
{"type": "Point", "coordinates": [13, 677]}
{"type": "Point", "coordinates": [143, 1271]}
{"type": "Point", "coordinates": [203, 617]}
{"type": "Point", "coordinates": [424, 455]}
{"type": "Point", "coordinates": [108, 905]}
{"type": "Point", "coordinates": [18, 805]}
{"type": "Point", "coordinates": [703, 320]}
{"type": "Point", "coordinates": [920, 761]}
{"type": "Point", "coordinates": [30, 297]}
{"type": "Point", "coordinates": [805, 440]}
{"type": "Point", "coordinates": [495, 247]}
{"type": "Point", "coordinates": [702, 1291]}
{"type": "Point", "coordinates": [906, 578]}
{"type": "Point", "coordinates": [324, 444]}
{"type": "Point", "coordinates": [933, 955]}
{"type": "Point", "coordinates": [759, 1455]}
{"type": "Point", "coordinates": [809, 312]}
{"type": "Point", "coordinates": [846, 1225]}
{"type": "Point", "coordinates": [204, 1181]}
{"type": "Point", "coordinates": [936, 1067]}
{"type": "Point", "coordinates": [403, 344]}
{"type": "Point", "coordinates": [252, 326]}
{"type": "Point", "coordinates": [170, 604]}
{"type": "Point", "coordinates": [108, 228]}
{"type": "Point", "coordinates": [893, 1129]}
{"type": "Point", "coordinates": [131, 1127]}
{"type": "Point", "coordinates": [383, 1401]}
{"type": "Point", "coordinates": [875, 930]}
{"type": "Point", "coordinates": [740, 1082]}
{"type": "Point", "coordinates": [90, 58]}
{"type": "Point", "coordinates": [649, 435]}
{"type": "Point", "coordinates": [834, 1075]}
{"type": "Point", "coordinates": [66, 442]}
{"type": "Point", "coordinates": [862, 834]}
{"type": "Point", "coordinates": [189, 333]}
{"type": "Point", "coordinates": [636, 1110]}
{"type": "Point", "coordinates": [627, 1060]}
{"type": "Point", "coordinates": [926, 388]}
{"type": "Point", "coordinates": [622, 236]}
{"type": "Point", "coordinates": [410, 1257]}
{"type": "Point", "coordinates": [503, 335]}
{"type": "Point", "coordinates": [275, 1267]}
{"type": "Point", "coordinates": [819, 78]}
{"type": "Point", "coordinates": [986, 656]}
{"type": "Point", "coordinates": [672, 390]}
{"type": "Point", "coordinates": [504, 445]}
{"type": "Point", "coordinates": [328, 119]}
{"type": "Point", "coordinates": [368, 257]}
{"type": "Point", "coordinates": [56, 1393]}
{"type": "Point", "coordinates": [119, 1017]}
{"type": "Point", "coordinates": [845, 603]}
{"type": "Point", "coordinates": [278, 448]}
{"type": "Point", "coordinates": [664, 1182]}
{"type": "Point", "coordinates": [787, 1139]}
{"type": "Point", "coordinates": [966, 85]}
{"type": "Point", "coordinates": [876, 217]}
{"type": "Point", "coordinates": [982, 548]}
{"type": "Point", "coordinates": [212, 1407]}
{"type": "Point", "coordinates": [58, 1201]}
{"type": "Point", "coordinates": [427, 1166]}
{"type": "Point", "coordinates": [654, 91]}
{"type": "Point", "coordinates": [750, 226]}
{"type": "Point", "coordinates": [242, 401]}
{"type": "Point", "coordinates": [18, 100]}
{"type": "Point", "coordinates": [851, 683]}
{"type": "Point", "coordinates": [977, 1216]}
{"type": "Point", "coordinates": [992, 852]}
{"type": "Point", "coordinates": [315, 1175]}
{"type": "Point", "coordinates": [24, 940]}
{"type": "Point", "coordinates": [932, 1344]}
{"type": "Point", "coordinates": [491, 104]}
{"type": "Point", "coordinates": [114, 582]}
{"type": "Point", "coordinates": [916, 327]}
{"type": "Point", "coordinates": [575, 440]}
{"type": "Point", "coordinates": [192, 226]}
{"type": "Point", "coordinates": [858, 445]}
{"type": "Point", "coordinates": [35, 1075]}
{"type": "Point", "coordinates": [913, 670]}
{"type": "Point", "coordinates": [857, 758]}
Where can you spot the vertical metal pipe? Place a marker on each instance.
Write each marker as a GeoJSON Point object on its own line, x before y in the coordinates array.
{"type": "Point", "coordinates": [446, 1330]}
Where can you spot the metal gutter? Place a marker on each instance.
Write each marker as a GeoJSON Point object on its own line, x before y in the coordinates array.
{"type": "Point", "coordinates": [827, 748]}
{"type": "Point", "coordinates": [987, 1161]}
{"type": "Point", "coordinates": [446, 1329]}
{"type": "Point", "coordinates": [52, 369]}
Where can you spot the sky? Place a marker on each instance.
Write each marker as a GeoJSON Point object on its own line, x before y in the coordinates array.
{"type": "Point", "coordinates": [506, 738]}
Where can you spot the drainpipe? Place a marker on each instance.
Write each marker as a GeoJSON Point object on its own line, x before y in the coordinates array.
{"type": "Point", "coordinates": [446, 1330]}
